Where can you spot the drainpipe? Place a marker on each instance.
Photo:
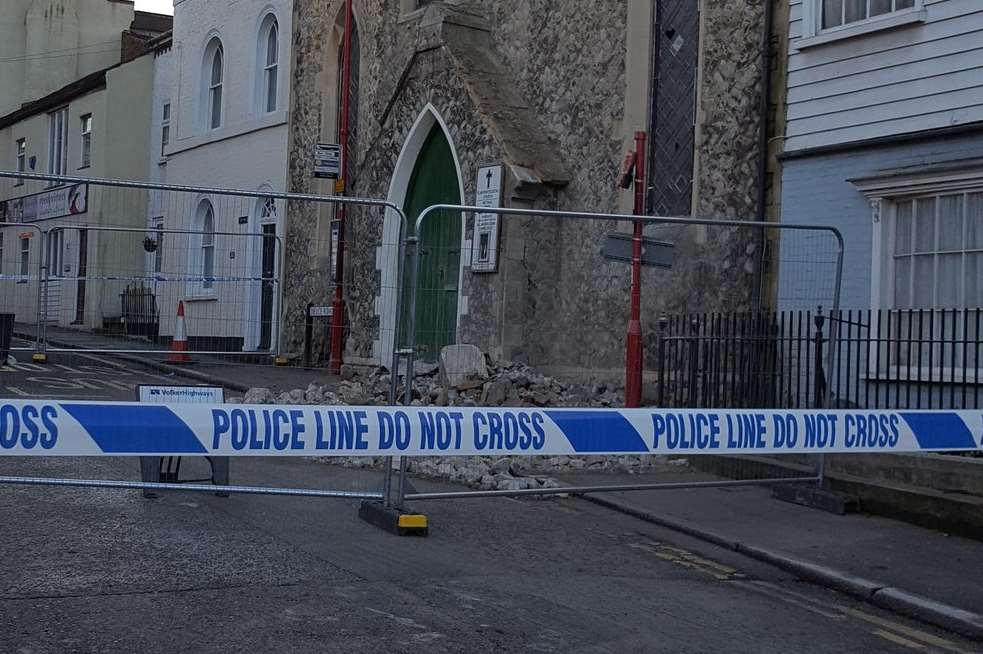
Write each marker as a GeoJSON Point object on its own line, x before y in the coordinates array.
{"type": "Point", "coordinates": [338, 305]}
{"type": "Point", "coordinates": [756, 299]}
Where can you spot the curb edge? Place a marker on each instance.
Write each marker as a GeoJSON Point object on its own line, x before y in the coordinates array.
{"type": "Point", "coordinates": [882, 595]}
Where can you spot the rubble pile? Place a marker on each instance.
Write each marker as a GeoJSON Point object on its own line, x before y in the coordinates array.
{"type": "Point", "coordinates": [465, 378]}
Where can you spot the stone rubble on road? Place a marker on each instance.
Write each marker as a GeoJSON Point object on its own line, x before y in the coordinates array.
{"type": "Point", "coordinates": [489, 385]}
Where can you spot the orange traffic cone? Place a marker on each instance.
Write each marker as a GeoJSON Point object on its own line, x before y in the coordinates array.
{"type": "Point", "coordinates": [179, 344]}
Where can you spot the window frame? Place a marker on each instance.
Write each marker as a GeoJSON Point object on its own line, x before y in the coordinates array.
{"type": "Point", "coordinates": [269, 85]}
{"type": "Point", "coordinates": [165, 127]}
{"type": "Point", "coordinates": [885, 192]}
{"type": "Point", "coordinates": [58, 143]}
{"type": "Point", "coordinates": [25, 260]}
{"type": "Point", "coordinates": [85, 141]}
{"type": "Point", "coordinates": [203, 255]}
{"type": "Point", "coordinates": [213, 91]}
{"type": "Point", "coordinates": [159, 252]}
{"type": "Point", "coordinates": [20, 159]}
{"type": "Point", "coordinates": [814, 34]}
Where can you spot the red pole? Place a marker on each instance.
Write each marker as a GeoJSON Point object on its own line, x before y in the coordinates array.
{"type": "Point", "coordinates": [633, 363]}
{"type": "Point", "coordinates": [338, 304]}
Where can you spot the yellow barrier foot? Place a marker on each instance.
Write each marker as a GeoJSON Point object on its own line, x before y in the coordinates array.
{"type": "Point", "coordinates": [39, 357]}
{"type": "Point", "coordinates": [281, 361]}
{"type": "Point", "coordinates": [393, 520]}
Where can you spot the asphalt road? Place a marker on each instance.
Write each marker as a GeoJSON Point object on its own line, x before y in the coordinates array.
{"type": "Point", "coordinates": [77, 376]}
{"type": "Point", "coordinates": [108, 571]}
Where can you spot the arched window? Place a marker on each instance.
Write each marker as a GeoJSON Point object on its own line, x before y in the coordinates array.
{"type": "Point", "coordinates": [208, 247]}
{"type": "Point", "coordinates": [214, 77]}
{"type": "Point", "coordinates": [271, 64]}
{"type": "Point", "coordinates": [201, 257]}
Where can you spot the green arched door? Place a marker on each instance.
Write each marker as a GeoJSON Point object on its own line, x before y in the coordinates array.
{"type": "Point", "coordinates": [434, 181]}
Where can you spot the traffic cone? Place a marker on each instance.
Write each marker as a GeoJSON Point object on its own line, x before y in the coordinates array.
{"type": "Point", "coordinates": [179, 344]}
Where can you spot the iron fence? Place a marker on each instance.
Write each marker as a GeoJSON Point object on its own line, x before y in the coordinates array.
{"type": "Point", "coordinates": [870, 359]}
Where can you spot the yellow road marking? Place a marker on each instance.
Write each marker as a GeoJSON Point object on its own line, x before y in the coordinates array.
{"type": "Point", "coordinates": [776, 593]}
{"type": "Point", "coordinates": [912, 633]}
{"type": "Point", "coordinates": [899, 640]}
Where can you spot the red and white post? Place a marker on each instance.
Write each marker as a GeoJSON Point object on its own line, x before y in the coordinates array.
{"type": "Point", "coordinates": [633, 358]}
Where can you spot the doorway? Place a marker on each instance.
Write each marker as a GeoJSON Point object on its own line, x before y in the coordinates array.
{"type": "Point", "coordinates": [435, 181]}
{"type": "Point", "coordinates": [267, 292]}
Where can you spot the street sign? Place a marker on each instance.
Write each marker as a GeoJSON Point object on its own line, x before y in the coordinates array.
{"type": "Point", "coordinates": [149, 394]}
{"type": "Point", "coordinates": [327, 161]}
{"type": "Point", "coordinates": [659, 254]}
{"type": "Point", "coordinates": [484, 254]}
{"type": "Point", "coordinates": [321, 312]}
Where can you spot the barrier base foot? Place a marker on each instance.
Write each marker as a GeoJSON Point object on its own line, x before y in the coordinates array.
{"type": "Point", "coordinates": [281, 361]}
{"type": "Point", "coordinates": [39, 357]}
{"type": "Point", "coordinates": [393, 520]}
{"type": "Point", "coordinates": [816, 498]}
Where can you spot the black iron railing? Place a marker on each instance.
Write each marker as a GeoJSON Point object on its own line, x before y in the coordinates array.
{"type": "Point", "coordinates": [881, 359]}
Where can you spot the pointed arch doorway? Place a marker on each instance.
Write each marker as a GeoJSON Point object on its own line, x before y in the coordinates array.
{"type": "Point", "coordinates": [426, 173]}
{"type": "Point", "coordinates": [435, 181]}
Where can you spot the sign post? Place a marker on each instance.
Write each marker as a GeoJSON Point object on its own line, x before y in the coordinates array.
{"type": "Point", "coordinates": [484, 248]}
{"type": "Point", "coordinates": [327, 161]}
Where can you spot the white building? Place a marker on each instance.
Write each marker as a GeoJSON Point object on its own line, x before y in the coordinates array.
{"type": "Point", "coordinates": [88, 61]}
{"type": "Point", "coordinates": [220, 103]}
{"type": "Point", "coordinates": [885, 141]}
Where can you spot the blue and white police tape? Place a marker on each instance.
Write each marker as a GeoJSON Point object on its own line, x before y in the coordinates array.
{"type": "Point", "coordinates": [113, 429]}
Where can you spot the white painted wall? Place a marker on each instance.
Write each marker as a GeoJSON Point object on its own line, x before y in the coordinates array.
{"type": "Point", "coordinates": [918, 76]}
{"type": "Point", "coordinates": [249, 151]}
{"type": "Point", "coordinates": [45, 44]}
{"type": "Point", "coordinates": [122, 107]}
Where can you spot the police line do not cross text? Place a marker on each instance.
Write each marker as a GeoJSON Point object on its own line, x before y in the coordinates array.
{"type": "Point", "coordinates": [93, 429]}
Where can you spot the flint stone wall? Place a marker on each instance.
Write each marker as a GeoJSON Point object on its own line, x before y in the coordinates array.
{"type": "Point", "coordinates": [540, 87]}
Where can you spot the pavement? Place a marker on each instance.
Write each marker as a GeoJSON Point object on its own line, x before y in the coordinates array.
{"type": "Point", "coordinates": [85, 570]}
{"type": "Point", "coordinates": [926, 574]}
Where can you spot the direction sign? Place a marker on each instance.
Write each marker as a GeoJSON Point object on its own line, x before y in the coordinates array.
{"type": "Point", "coordinates": [327, 161]}
{"type": "Point", "coordinates": [659, 254]}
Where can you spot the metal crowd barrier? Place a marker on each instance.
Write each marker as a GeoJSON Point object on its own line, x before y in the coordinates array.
{"type": "Point", "coordinates": [414, 245]}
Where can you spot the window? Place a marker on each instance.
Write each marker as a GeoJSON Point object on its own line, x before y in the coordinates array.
{"type": "Point", "coordinates": [86, 143]}
{"type": "Point", "coordinates": [208, 250]}
{"type": "Point", "coordinates": [165, 128]}
{"type": "Point", "coordinates": [159, 252]}
{"type": "Point", "coordinates": [271, 67]}
{"type": "Point", "coordinates": [25, 258]}
{"type": "Point", "coordinates": [836, 13]}
{"type": "Point", "coordinates": [204, 258]}
{"type": "Point", "coordinates": [214, 75]}
{"type": "Point", "coordinates": [21, 159]}
{"type": "Point", "coordinates": [58, 142]}
{"type": "Point", "coordinates": [937, 254]}
{"type": "Point", "coordinates": [268, 213]}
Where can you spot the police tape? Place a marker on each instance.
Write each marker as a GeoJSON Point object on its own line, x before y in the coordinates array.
{"type": "Point", "coordinates": [130, 429]}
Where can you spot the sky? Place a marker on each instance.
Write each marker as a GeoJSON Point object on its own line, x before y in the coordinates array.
{"type": "Point", "coordinates": [156, 6]}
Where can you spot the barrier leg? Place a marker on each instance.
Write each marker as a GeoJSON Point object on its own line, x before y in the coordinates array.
{"type": "Point", "coordinates": [150, 473]}
{"type": "Point", "coordinates": [220, 472]}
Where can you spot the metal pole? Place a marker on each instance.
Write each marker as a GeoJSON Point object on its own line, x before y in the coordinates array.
{"type": "Point", "coordinates": [387, 480]}
{"type": "Point", "coordinates": [413, 247]}
{"type": "Point", "coordinates": [633, 355]}
{"type": "Point", "coordinates": [308, 335]}
{"type": "Point", "coordinates": [582, 490]}
{"type": "Point", "coordinates": [190, 488]}
{"type": "Point", "coordinates": [337, 319]}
